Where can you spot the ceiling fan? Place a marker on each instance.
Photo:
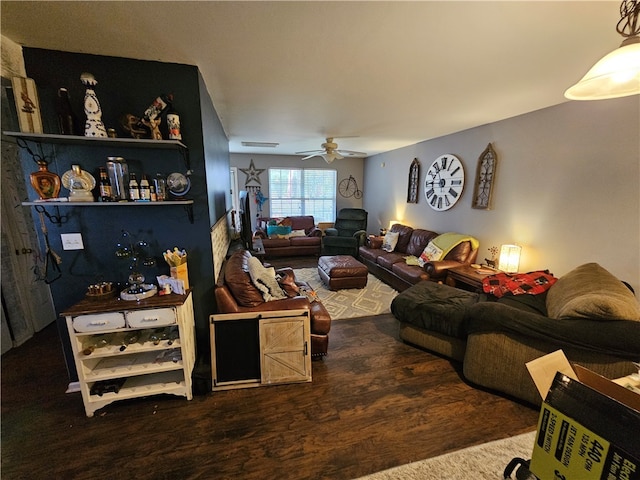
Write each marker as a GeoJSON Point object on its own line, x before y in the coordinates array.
{"type": "Point", "coordinates": [330, 152]}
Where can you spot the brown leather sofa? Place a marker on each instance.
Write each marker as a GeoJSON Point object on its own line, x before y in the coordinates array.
{"type": "Point", "coordinates": [309, 244]}
{"type": "Point", "coordinates": [235, 293]}
{"type": "Point", "coordinates": [391, 267]}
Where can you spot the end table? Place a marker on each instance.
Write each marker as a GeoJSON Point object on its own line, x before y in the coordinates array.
{"type": "Point", "coordinates": [465, 277]}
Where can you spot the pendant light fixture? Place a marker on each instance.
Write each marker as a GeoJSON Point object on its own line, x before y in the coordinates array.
{"type": "Point", "coordinates": [618, 73]}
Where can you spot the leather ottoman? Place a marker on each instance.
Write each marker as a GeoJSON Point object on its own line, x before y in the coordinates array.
{"type": "Point", "coordinates": [342, 271]}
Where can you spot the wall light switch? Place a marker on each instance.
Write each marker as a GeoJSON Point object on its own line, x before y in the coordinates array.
{"type": "Point", "coordinates": [72, 241]}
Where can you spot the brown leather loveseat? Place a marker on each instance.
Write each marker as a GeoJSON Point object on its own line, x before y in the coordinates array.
{"type": "Point", "coordinates": [392, 267]}
{"type": "Point", "coordinates": [304, 238]}
{"type": "Point", "coordinates": [236, 293]}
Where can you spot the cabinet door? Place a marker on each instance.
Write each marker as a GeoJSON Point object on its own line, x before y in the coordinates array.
{"type": "Point", "coordinates": [284, 350]}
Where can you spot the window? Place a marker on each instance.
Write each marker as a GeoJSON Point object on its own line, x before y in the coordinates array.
{"type": "Point", "coordinates": [298, 191]}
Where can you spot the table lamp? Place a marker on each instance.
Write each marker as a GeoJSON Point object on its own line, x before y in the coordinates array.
{"type": "Point", "coordinates": [509, 258]}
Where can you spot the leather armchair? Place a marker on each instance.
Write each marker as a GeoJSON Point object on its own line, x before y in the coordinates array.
{"type": "Point", "coordinates": [236, 293]}
{"type": "Point", "coordinates": [347, 235]}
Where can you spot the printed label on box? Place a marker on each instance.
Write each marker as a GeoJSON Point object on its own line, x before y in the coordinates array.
{"type": "Point", "coordinates": [566, 450]}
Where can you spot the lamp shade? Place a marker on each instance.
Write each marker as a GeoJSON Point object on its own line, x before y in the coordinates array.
{"type": "Point", "coordinates": [509, 258]}
{"type": "Point", "coordinates": [617, 74]}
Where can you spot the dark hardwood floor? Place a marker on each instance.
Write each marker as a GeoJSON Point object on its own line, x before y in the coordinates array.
{"type": "Point", "coordinates": [374, 403]}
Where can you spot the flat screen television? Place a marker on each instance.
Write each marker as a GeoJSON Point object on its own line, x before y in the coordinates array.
{"type": "Point", "coordinates": [246, 234]}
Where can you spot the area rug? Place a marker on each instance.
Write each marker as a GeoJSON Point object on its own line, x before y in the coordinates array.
{"type": "Point", "coordinates": [481, 462]}
{"type": "Point", "coordinates": [374, 299]}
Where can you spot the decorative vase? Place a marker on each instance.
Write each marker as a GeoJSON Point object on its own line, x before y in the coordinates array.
{"type": "Point", "coordinates": [45, 183]}
{"type": "Point", "coordinates": [93, 127]}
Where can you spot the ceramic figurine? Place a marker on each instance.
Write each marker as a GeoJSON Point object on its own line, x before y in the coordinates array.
{"type": "Point", "coordinates": [154, 127]}
{"type": "Point", "coordinates": [93, 127]}
{"type": "Point", "coordinates": [131, 124]}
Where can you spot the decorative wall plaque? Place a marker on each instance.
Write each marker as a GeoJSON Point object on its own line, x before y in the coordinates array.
{"type": "Point", "coordinates": [485, 174]}
{"type": "Point", "coordinates": [414, 179]}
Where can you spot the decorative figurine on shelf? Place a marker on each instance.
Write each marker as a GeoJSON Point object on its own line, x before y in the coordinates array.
{"type": "Point", "coordinates": [79, 183]}
{"type": "Point", "coordinates": [493, 263]}
{"type": "Point", "coordinates": [154, 127]}
{"type": "Point", "coordinates": [152, 116]}
{"type": "Point", "coordinates": [132, 124]}
{"type": "Point", "coordinates": [93, 127]}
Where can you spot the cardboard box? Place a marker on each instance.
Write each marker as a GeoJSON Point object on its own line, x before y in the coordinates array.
{"type": "Point", "coordinates": [589, 426]}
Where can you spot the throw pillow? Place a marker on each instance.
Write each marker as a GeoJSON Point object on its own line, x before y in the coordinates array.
{"type": "Point", "coordinates": [265, 280]}
{"type": "Point", "coordinates": [297, 233]}
{"type": "Point", "coordinates": [429, 254]}
{"type": "Point", "coordinates": [390, 241]}
{"type": "Point", "coordinates": [590, 291]}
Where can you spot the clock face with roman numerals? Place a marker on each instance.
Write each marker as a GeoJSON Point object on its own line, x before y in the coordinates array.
{"type": "Point", "coordinates": [444, 182]}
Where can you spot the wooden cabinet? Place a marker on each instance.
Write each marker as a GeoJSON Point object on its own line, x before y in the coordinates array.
{"type": "Point", "coordinates": [129, 349]}
{"type": "Point", "coordinates": [260, 348]}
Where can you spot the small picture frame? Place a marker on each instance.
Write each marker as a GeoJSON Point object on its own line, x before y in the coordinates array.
{"type": "Point", "coordinates": [27, 103]}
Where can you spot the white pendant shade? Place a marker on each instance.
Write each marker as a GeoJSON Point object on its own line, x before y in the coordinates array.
{"type": "Point", "coordinates": [330, 157]}
{"type": "Point", "coordinates": [615, 75]}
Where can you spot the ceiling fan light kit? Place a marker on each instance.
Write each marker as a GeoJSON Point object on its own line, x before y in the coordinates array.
{"type": "Point", "coordinates": [617, 74]}
{"type": "Point", "coordinates": [331, 152]}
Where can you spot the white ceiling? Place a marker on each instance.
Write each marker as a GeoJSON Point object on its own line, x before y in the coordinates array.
{"type": "Point", "coordinates": [381, 74]}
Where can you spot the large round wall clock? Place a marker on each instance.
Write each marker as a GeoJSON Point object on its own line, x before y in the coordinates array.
{"type": "Point", "coordinates": [444, 182]}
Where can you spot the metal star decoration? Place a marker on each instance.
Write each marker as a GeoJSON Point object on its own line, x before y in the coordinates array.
{"type": "Point", "coordinates": [252, 173]}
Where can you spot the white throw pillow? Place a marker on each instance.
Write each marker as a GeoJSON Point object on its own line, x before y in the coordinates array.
{"type": "Point", "coordinates": [298, 233]}
{"type": "Point", "coordinates": [430, 253]}
{"type": "Point", "coordinates": [265, 280]}
{"type": "Point", "coordinates": [390, 241]}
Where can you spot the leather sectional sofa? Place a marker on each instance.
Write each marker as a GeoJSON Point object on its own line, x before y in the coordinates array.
{"type": "Point", "coordinates": [392, 268]}
{"type": "Point", "coordinates": [588, 314]}
{"type": "Point", "coordinates": [291, 244]}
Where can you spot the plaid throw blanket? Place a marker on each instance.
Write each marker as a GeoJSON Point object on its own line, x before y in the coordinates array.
{"type": "Point", "coordinates": [532, 283]}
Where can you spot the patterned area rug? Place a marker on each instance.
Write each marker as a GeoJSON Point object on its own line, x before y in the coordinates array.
{"type": "Point", "coordinates": [374, 299]}
{"type": "Point", "coordinates": [482, 462]}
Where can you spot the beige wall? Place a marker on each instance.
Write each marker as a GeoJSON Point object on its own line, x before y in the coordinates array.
{"type": "Point", "coordinates": [566, 188]}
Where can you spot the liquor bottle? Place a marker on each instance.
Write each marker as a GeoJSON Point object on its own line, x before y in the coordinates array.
{"type": "Point", "coordinates": [173, 123]}
{"type": "Point", "coordinates": [145, 192]}
{"type": "Point", "coordinates": [161, 187]}
{"type": "Point", "coordinates": [152, 190]}
{"type": "Point", "coordinates": [134, 189]}
{"type": "Point", "coordinates": [159, 105]}
{"type": "Point", "coordinates": [67, 121]}
{"type": "Point", "coordinates": [93, 127]}
{"type": "Point", "coordinates": [105, 186]}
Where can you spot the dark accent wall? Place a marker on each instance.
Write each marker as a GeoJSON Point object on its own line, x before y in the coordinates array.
{"type": "Point", "coordinates": [129, 86]}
